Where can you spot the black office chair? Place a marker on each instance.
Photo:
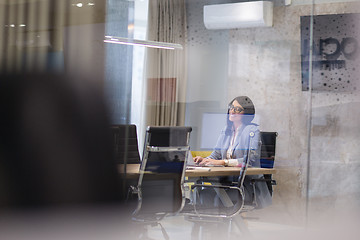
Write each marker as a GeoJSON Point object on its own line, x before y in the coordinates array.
{"type": "Point", "coordinates": [160, 185]}
{"type": "Point", "coordinates": [267, 159]}
{"type": "Point", "coordinates": [125, 150]}
{"type": "Point", "coordinates": [230, 206]}
{"type": "Point", "coordinates": [125, 144]}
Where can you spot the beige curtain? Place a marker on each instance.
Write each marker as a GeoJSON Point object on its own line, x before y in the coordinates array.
{"type": "Point", "coordinates": [24, 39]}
{"type": "Point", "coordinates": [166, 69]}
{"type": "Point", "coordinates": [162, 95]}
{"type": "Point", "coordinates": [51, 35]}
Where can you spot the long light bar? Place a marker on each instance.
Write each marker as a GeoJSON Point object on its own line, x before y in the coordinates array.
{"type": "Point", "coordinates": [145, 43]}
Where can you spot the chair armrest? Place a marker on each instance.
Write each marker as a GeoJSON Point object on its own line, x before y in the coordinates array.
{"type": "Point", "coordinates": [224, 198]}
{"type": "Point", "coordinates": [271, 181]}
{"type": "Point", "coordinates": [213, 186]}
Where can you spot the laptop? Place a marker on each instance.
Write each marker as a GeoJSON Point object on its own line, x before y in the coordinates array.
{"type": "Point", "coordinates": [190, 160]}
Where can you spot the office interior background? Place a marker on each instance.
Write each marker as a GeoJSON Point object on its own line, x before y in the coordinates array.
{"type": "Point", "coordinates": [317, 152]}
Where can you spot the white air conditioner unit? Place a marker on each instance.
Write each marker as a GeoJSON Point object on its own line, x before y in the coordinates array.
{"type": "Point", "coordinates": [239, 15]}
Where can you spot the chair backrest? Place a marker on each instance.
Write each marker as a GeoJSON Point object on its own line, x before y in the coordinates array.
{"type": "Point", "coordinates": [125, 143]}
{"type": "Point", "coordinates": [162, 171]}
{"type": "Point", "coordinates": [268, 146]}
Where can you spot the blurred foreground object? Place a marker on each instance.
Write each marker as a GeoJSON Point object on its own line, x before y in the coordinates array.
{"type": "Point", "coordinates": [54, 144]}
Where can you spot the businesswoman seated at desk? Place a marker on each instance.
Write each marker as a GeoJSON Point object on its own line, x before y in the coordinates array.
{"type": "Point", "coordinates": [231, 148]}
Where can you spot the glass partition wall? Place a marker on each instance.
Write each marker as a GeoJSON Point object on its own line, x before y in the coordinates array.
{"type": "Point", "coordinates": [310, 44]}
{"type": "Point", "coordinates": [157, 64]}
{"type": "Point", "coordinates": [332, 179]}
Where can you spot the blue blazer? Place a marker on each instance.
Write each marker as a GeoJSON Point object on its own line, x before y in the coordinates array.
{"type": "Point", "coordinates": [240, 145]}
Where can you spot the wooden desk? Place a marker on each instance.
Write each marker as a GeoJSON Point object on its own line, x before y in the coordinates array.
{"type": "Point", "coordinates": [133, 170]}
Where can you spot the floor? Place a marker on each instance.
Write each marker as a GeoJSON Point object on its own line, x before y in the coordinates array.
{"type": "Point", "coordinates": [331, 226]}
{"type": "Point", "coordinates": [110, 223]}
{"type": "Point", "coordinates": [178, 229]}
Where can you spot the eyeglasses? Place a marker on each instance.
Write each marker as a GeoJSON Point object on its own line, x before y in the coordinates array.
{"type": "Point", "coordinates": [235, 109]}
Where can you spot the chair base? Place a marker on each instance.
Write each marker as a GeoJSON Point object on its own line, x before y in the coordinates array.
{"type": "Point", "coordinates": [141, 228]}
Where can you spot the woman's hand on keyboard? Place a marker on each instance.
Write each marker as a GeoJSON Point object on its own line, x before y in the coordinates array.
{"type": "Point", "coordinates": [208, 161]}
